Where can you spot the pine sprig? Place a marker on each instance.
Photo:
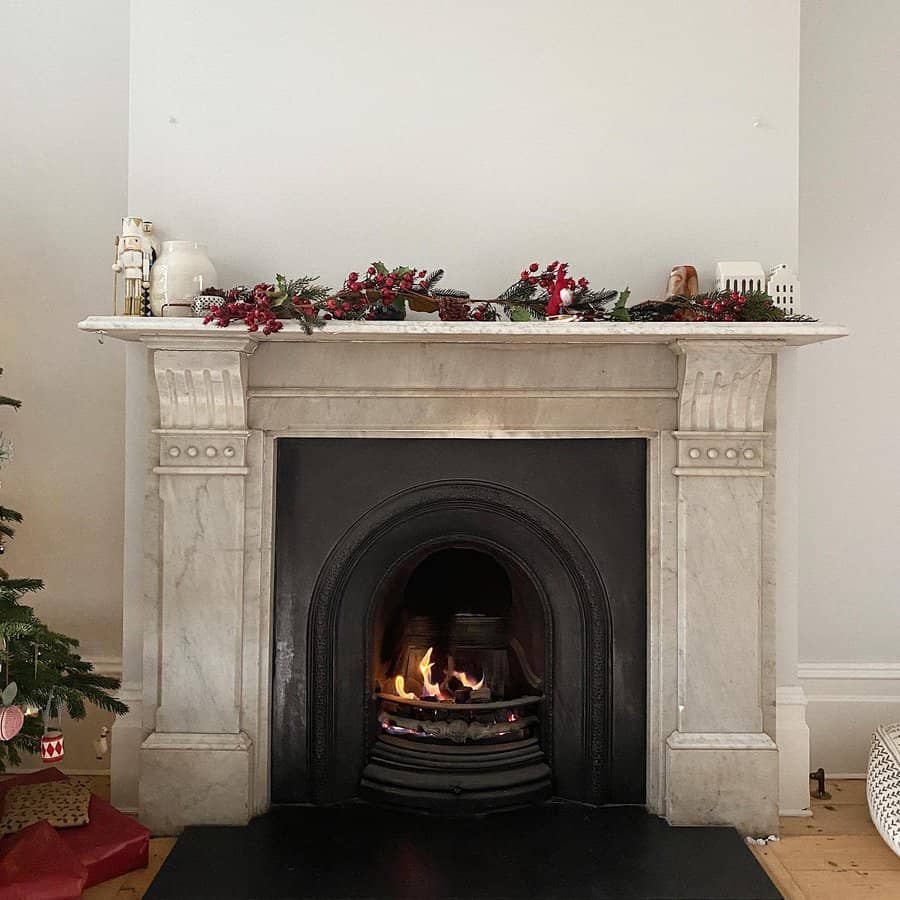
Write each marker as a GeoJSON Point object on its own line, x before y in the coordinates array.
{"type": "Point", "coordinates": [593, 299]}
{"type": "Point", "coordinates": [517, 292]}
{"type": "Point", "coordinates": [451, 292]}
{"type": "Point", "coordinates": [431, 279]}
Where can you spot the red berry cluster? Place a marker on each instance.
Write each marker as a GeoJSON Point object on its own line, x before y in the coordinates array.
{"type": "Point", "coordinates": [555, 275]}
{"type": "Point", "coordinates": [483, 312]}
{"type": "Point", "coordinates": [252, 307]}
{"type": "Point", "coordinates": [723, 307]}
{"type": "Point", "coordinates": [346, 306]}
{"type": "Point", "coordinates": [383, 286]}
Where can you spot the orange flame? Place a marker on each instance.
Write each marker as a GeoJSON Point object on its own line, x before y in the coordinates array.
{"type": "Point", "coordinates": [400, 685]}
{"type": "Point", "coordinates": [470, 682]}
{"type": "Point", "coordinates": [431, 689]}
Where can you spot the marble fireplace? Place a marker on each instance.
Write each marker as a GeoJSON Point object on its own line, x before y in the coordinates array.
{"type": "Point", "coordinates": [236, 607]}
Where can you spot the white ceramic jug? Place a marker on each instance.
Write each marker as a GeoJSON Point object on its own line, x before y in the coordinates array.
{"type": "Point", "coordinates": [182, 271]}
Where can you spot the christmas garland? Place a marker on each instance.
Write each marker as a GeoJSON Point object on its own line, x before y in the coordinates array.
{"type": "Point", "coordinates": [550, 292]}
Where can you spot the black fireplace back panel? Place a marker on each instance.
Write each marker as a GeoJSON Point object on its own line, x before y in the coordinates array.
{"type": "Point", "coordinates": [572, 510]}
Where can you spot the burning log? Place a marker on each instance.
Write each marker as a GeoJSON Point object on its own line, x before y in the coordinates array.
{"type": "Point", "coordinates": [481, 695]}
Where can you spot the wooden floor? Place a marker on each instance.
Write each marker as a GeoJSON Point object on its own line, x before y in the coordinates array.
{"type": "Point", "coordinates": [835, 855]}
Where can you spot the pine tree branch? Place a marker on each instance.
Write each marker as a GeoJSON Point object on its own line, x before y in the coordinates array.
{"type": "Point", "coordinates": [20, 586]}
{"type": "Point", "coordinates": [44, 664]}
{"type": "Point", "coordinates": [9, 515]}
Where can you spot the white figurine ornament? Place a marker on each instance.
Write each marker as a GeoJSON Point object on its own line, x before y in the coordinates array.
{"type": "Point", "coordinates": [743, 277]}
{"type": "Point", "coordinates": [101, 745]}
{"type": "Point", "coordinates": [784, 289]}
{"type": "Point", "coordinates": [135, 254]}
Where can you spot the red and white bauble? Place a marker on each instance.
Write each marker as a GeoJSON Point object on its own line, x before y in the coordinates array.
{"type": "Point", "coordinates": [52, 747]}
{"type": "Point", "coordinates": [11, 721]}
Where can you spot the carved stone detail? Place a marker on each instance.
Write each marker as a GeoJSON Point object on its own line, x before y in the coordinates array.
{"type": "Point", "coordinates": [201, 389]}
{"type": "Point", "coordinates": [723, 385]}
{"type": "Point", "coordinates": [203, 450]}
{"type": "Point", "coordinates": [724, 453]}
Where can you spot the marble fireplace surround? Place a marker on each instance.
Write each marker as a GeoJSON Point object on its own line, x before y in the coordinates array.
{"type": "Point", "coordinates": [216, 400]}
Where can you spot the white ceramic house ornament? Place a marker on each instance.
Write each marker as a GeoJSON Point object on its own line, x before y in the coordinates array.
{"type": "Point", "coordinates": [784, 289]}
{"type": "Point", "coordinates": [743, 277]}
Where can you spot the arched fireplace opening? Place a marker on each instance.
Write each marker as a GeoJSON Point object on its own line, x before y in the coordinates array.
{"type": "Point", "coordinates": [459, 640]}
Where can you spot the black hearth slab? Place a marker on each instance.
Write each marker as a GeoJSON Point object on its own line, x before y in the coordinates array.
{"type": "Point", "coordinates": [551, 852]}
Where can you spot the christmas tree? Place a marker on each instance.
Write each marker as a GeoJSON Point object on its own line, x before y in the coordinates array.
{"type": "Point", "coordinates": [48, 673]}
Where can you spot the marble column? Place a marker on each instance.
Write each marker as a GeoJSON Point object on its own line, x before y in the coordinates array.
{"type": "Point", "coordinates": [725, 715]}
{"type": "Point", "coordinates": [196, 764]}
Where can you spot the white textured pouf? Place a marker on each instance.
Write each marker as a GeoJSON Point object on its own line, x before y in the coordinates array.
{"type": "Point", "coordinates": [883, 783]}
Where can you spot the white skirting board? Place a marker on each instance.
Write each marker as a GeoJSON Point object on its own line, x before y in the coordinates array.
{"type": "Point", "coordinates": [792, 735]}
{"type": "Point", "coordinates": [846, 702]}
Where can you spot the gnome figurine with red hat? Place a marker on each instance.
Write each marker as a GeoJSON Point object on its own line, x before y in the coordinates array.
{"type": "Point", "coordinates": [562, 291]}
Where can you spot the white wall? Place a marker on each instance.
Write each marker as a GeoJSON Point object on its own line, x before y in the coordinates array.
{"type": "Point", "coordinates": [850, 476]}
{"type": "Point", "coordinates": [63, 171]}
{"type": "Point", "coordinates": [315, 137]}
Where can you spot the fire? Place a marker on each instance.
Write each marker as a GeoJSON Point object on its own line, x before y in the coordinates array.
{"type": "Point", "coordinates": [400, 685]}
{"type": "Point", "coordinates": [470, 682]}
{"type": "Point", "coordinates": [431, 689]}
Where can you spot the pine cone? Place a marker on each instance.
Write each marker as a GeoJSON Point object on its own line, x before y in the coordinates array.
{"type": "Point", "coordinates": [453, 309]}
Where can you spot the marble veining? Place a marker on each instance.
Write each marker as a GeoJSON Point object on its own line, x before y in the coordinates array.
{"type": "Point", "coordinates": [217, 412]}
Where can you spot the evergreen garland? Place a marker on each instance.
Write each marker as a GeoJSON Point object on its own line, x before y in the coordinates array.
{"type": "Point", "coordinates": [386, 294]}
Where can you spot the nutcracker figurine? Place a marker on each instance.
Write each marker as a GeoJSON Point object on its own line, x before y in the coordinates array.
{"type": "Point", "coordinates": [135, 254]}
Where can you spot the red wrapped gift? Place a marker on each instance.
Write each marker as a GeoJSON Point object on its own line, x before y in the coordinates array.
{"type": "Point", "coordinates": [35, 864]}
{"type": "Point", "coordinates": [110, 845]}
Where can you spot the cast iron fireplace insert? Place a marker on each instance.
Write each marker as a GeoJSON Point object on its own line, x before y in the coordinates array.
{"type": "Point", "coordinates": [460, 625]}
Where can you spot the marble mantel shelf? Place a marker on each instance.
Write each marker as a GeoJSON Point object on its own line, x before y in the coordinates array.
{"type": "Point", "coordinates": [191, 331]}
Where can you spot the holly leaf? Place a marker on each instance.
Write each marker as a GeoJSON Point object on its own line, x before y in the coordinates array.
{"type": "Point", "coordinates": [619, 313]}
{"type": "Point", "coordinates": [519, 314]}
{"type": "Point", "coordinates": [380, 268]}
